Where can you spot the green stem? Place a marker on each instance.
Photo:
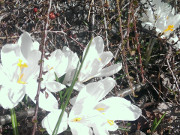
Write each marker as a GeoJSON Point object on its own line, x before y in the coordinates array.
{"type": "Point", "coordinates": [14, 122]}
{"type": "Point", "coordinates": [149, 50]}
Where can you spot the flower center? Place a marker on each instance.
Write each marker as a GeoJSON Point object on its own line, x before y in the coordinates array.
{"type": "Point", "coordinates": [76, 119]}
{"type": "Point", "coordinates": [100, 109]}
{"type": "Point", "coordinates": [50, 68]}
{"type": "Point", "coordinates": [110, 122]}
{"type": "Point", "coordinates": [21, 66]}
{"type": "Point", "coordinates": [170, 28]}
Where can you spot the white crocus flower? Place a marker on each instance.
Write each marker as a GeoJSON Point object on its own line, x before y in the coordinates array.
{"type": "Point", "coordinates": [89, 112]}
{"type": "Point", "coordinates": [79, 124]}
{"type": "Point", "coordinates": [56, 64]}
{"type": "Point", "coordinates": [82, 117]}
{"type": "Point", "coordinates": [161, 16]}
{"type": "Point", "coordinates": [114, 108]}
{"type": "Point", "coordinates": [95, 62]}
{"type": "Point", "coordinates": [168, 25]}
{"type": "Point", "coordinates": [155, 11]}
{"type": "Point", "coordinates": [19, 67]}
{"type": "Point", "coordinates": [59, 63]}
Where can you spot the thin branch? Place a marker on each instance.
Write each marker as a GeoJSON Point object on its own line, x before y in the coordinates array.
{"type": "Point", "coordinates": [62, 32]}
{"type": "Point", "coordinates": [128, 91]}
{"type": "Point", "coordinates": [128, 26]}
{"type": "Point", "coordinates": [105, 25]}
{"type": "Point", "coordinates": [41, 69]}
{"type": "Point", "coordinates": [123, 48]}
{"type": "Point", "coordinates": [92, 18]}
{"type": "Point", "coordinates": [138, 48]}
{"type": "Point", "coordinates": [174, 77]}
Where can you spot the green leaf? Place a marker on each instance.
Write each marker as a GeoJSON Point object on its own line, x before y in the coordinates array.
{"type": "Point", "coordinates": [60, 79]}
{"type": "Point", "coordinates": [14, 122]}
{"type": "Point", "coordinates": [156, 124]}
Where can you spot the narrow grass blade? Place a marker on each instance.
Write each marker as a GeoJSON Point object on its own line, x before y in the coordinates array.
{"type": "Point", "coordinates": [156, 124]}
{"type": "Point", "coordinates": [14, 122]}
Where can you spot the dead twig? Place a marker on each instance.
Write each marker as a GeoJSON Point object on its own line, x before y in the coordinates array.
{"type": "Point", "coordinates": [128, 91]}
{"type": "Point", "coordinates": [105, 25]}
{"type": "Point", "coordinates": [123, 48]}
{"type": "Point", "coordinates": [174, 77]}
{"type": "Point", "coordinates": [138, 47]}
{"type": "Point", "coordinates": [42, 48]}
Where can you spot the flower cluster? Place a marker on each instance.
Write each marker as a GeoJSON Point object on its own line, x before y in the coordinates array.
{"type": "Point", "coordinates": [162, 17]}
{"type": "Point", "coordinates": [90, 113]}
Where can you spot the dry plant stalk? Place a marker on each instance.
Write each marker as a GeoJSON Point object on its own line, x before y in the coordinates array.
{"type": "Point", "coordinates": [42, 49]}
{"type": "Point", "coordinates": [138, 47]}
{"type": "Point", "coordinates": [123, 48]}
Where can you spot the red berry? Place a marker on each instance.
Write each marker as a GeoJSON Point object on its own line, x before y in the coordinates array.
{"type": "Point", "coordinates": [52, 15]}
{"type": "Point", "coordinates": [35, 10]}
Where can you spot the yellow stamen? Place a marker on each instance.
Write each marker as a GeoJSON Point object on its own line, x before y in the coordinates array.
{"type": "Point", "coordinates": [76, 119]}
{"type": "Point", "coordinates": [100, 59]}
{"type": "Point", "coordinates": [19, 80]}
{"type": "Point", "coordinates": [110, 122]}
{"type": "Point", "coordinates": [100, 109]}
{"type": "Point", "coordinates": [21, 66]}
{"type": "Point", "coordinates": [50, 68]}
{"type": "Point", "coordinates": [170, 27]}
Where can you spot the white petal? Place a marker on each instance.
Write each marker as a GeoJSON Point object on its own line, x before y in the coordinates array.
{"type": "Point", "coordinates": [73, 100]}
{"type": "Point", "coordinates": [111, 70]}
{"type": "Point", "coordinates": [10, 54]}
{"type": "Point", "coordinates": [46, 100]}
{"type": "Point", "coordinates": [80, 129]}
{"type": "Point", "coordinates": [78, 86]}
{"type": "Point", "coordinates": [81, 109]}
{"type": "Point", "coordinates": [99, 130]}
{"type": "Point", "coordinates": [72, 58]}
{"type": "Point", "coordinates": [57, 63]}
{"type": "Point", "coordinates": [87, 115]}
{"type": "Point", "coordinates": [97, 46]}
{"type": "Point", "coordinates": [96, 90]}
{"type": "Point", "coordinates": [102, 126]}
{"type": "Point", "coordinates": [54, 86]}
{"type": "Point", "coordinates": [26, 43]}
{"type": "Point", "coordinates": [36, 46]}
{"type": "Point", "coordinates": [95, 50]}
{"type": "Point", "coordinates": [177, 46]}
{"type": "Point", "coordinates": [11, 96]}
{"type": "Point", "coordinates": [106, 57]}
{"type": "Point", "coordinates": [117, 108]}
{"type": "Point", "coordinates": [4, 80]}
{"type": "Point", "coordinates": [33, 67]}
{"type": "Point", "coordinates": [49, 122]}
{"type": "Point", "coordinates": [90, 71]}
